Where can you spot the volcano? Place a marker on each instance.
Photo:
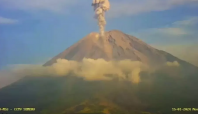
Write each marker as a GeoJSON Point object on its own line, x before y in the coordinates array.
{"type": "Point", "coordinates": [157, 93]}
{"type": "Point", "coordinates": [115, 45]}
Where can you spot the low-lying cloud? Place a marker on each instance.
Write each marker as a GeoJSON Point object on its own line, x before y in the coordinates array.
{"type": "Point", "coordinates": [175, 63]}
{"type": "Point", "coordinates": [88, 69]}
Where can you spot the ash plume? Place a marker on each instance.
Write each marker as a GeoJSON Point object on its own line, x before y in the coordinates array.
{"type": "Point", "coordinates": [100, 7]}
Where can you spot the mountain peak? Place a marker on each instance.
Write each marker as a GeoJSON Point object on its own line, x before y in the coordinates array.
{"type": "Point", "coordinates": [115, 45]}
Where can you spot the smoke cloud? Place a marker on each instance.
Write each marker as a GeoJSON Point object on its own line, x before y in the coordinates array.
{"type": "Point", "coordinates": [100, 7]}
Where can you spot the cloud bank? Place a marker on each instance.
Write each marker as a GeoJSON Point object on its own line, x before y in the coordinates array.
{"type": "Point", "coordinates": [88, 69]}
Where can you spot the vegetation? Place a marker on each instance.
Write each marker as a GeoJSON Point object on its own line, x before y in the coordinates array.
{"type": "Point", "coordinates": [157, 93]}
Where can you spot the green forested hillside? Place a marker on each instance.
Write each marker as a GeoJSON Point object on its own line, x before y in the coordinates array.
{"type": "Point", "coordinates": [157, 93]}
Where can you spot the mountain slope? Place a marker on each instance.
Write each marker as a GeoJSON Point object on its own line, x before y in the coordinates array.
{"type": "Point", "coordinates": [116, 45]}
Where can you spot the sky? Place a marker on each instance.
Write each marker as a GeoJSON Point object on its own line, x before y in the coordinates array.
{"type": "Point", "coordinates": [34, 31]}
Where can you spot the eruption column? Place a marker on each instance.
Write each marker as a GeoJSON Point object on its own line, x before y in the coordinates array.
{"type": "Point", "coordinates": [100, 7]}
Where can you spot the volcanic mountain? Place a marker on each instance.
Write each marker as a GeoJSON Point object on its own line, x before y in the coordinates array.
{"type": "Point", "coordinates": [115, 45]}
{"type": "Point", "coordinates": [157, 92]}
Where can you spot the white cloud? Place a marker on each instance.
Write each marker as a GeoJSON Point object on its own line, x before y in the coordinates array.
{"type": "Point", "coordinates": [193, 21]}
{"type": "Point", "coordinates": [185, 30]}
{"type": "Point", "coordinates": [179, 38]}
{"type": "Point", "coordinates": [173, 31]}
{"type": "Point", "coordinates": [132, 7]}
{"type": "Point", "coordinates": [167, 31]}
{"type": "Point", "coordinates": [35, 5]}
{"type": "Point", "coordinates": [4, 20]}
{"type": "Point", "coordinates": [88, 69]}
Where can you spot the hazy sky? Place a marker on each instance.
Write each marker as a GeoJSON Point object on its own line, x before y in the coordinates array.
{"type": "Point", "coordinates": [33, 31]}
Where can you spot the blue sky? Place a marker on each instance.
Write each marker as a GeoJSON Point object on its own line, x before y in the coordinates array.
{"type": "Point", "coordinates": [33, 31]}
